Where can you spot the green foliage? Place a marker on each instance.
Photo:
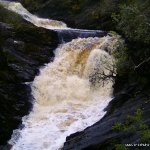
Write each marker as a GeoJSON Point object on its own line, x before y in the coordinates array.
{"type": "Point", "coordinates": [123, 62]}
{"type": "Point", "coordinates": [107, 7]}
{"type": "Point", "coordinates": [137, 118]}
{"type": "Point", "coordinates": [145, 135]}
{"type": "Point", "coordinates": [134, 124]}
{"type": "Point", "coordinates": [120, 147]}
{"type": "Point", "coordinates": [133, 20]}
{"type": "Point", "coordinates": [118, 127]}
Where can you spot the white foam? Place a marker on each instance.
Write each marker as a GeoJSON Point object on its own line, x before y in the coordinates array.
{"type": "Point", "coordinates": [65, 99]}
{"type": "Point", "coordinates": [49, 127]}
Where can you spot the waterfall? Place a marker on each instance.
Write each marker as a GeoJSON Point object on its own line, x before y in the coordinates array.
{"type": "Point", "coordinates": [39, 22]}
{"type": "Point", "coordinates": [66, 98]}
{"type": "Point", "coordinates": [69, 34]}
{"type": "Point", "coordinates": [65, 33]}
{"type": "Point", "coordinates": [72, 91]}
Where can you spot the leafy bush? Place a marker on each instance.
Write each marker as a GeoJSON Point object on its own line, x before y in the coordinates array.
{"type": "Point", "coordinates": [145, 135]}
{"type": "Point", "coordinates": [134, 124]}
{"type": "Point", "coordinates": [120, 147]}
{"type": "Point", "coordinates": [133, 20]}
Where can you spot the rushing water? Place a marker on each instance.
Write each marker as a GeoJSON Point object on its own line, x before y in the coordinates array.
{"type": "Point", "coordinates": [40, 22]}
{"type": "Point", "coordinates": [71, 92]}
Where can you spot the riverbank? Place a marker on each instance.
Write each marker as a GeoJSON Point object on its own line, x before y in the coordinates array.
{"type": "Point", "coordinates": [24, 48]}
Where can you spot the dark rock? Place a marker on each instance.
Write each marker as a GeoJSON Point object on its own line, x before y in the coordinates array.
{"type": "Point", "coordinates": [85, 14]}
{"type": "Point", "coordinates": [101, 136]}
{"type": "Point", "coordinates": [23, 49]}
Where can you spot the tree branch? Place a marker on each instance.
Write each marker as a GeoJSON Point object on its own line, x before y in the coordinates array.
{"type": "Point", "coordinates": [140, 64]}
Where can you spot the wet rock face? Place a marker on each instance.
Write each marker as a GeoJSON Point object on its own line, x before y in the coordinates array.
{"type": "Point", "coordinates": [23, 50]}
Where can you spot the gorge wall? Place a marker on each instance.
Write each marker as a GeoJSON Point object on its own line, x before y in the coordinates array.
{"type": "Point", "coordinates": [23, 49]}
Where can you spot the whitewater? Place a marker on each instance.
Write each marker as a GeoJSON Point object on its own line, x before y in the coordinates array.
{"type": "Point", "coordinates": [70, 93]}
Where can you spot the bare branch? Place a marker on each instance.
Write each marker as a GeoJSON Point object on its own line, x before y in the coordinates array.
{"type": "Point", "coordinates": [140, 64]}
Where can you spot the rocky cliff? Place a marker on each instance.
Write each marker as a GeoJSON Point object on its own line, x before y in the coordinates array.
{"type": "Point", "coordinates": [23, 49]}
